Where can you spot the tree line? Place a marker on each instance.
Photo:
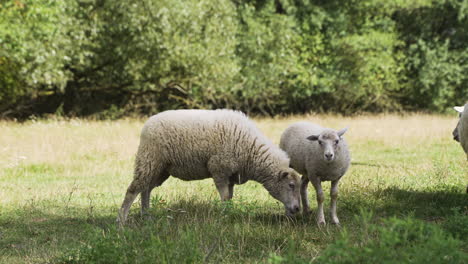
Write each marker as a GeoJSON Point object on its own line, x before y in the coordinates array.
{"type": "Point", "coordinates": [114, 58]}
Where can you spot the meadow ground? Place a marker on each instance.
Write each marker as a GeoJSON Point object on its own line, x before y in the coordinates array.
{"type": "Point", "coordinates": [62, 182]}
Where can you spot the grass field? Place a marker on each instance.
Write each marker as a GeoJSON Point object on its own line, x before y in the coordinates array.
{"type": "Point", "coordinates": [62, 182]}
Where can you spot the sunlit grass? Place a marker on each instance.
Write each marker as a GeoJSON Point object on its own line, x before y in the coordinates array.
{"type": "Point", "coordinates": [61, 183]}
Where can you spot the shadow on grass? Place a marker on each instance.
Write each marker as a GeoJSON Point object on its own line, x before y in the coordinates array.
{"type": "Point", "coordinates": [49, 231]}
{"type": "Point", "coordinates": [25, 230]}
{"type": "Point", "coordinates": [204, 229]}
{"type": "Point", "coordinates": [438, 205]}
{"type": "Point", "coordinates": [393, 200]}
{"type": "Point", "coordinates": [426, 203]}
{"type": "Point", "coordinates": [220, 226]}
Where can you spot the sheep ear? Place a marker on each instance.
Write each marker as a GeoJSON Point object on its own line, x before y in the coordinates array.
{"type": "Point", "coordinates": [342, 131]}
{"type": "Point", "coordinates": [459, 109]}
{"type": "Point", "coordinates": [313, 137]}
{"type": "Point", "coordinates": [283, 175]}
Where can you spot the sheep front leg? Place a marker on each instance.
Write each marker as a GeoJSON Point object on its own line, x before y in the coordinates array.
{"type": "Point", "coordinates": [334, 197]}
{"type": "Point", "coordinates": [223, 188]}
{"type": "Point", "coordinates": [145, 200]}
{"type": "Point", "coordinates": [231, 190]}
{"type": "Point", "coordinates": [220, 172]}
{"type": "Point", "coordinates": [304, 195]}
{"type": "Point", "coordinates": [320, 198]}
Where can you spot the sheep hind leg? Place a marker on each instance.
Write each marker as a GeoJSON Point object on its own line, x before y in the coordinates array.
{"type": "Point", "coordinates": [137, 186]}
{"type": "Point", "coordinates": [144, 172]}
{"type": "Point", "coordinates": [156, 181]}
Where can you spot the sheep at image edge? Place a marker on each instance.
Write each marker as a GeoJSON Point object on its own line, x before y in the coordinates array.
{"type": "Point", "coordinates": [460, 133]}
{"type": "Point", "coordinates": [319, 154]}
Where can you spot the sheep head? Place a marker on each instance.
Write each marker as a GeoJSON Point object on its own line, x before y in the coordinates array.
{"type": "Point", "coordinates": [285, 187]}
{"type": "Point", "coordinates": [329, 142]}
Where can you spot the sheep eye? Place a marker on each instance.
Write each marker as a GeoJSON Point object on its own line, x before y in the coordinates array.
{"type": "Point", "coordinates": [320, 143]}
{"type": "Point", "coordinates": [336, 142]}
{"type": "Point", "coordinates": [291, 185]}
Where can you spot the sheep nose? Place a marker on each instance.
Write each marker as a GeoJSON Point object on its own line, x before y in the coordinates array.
{"type": "Point", "coordinates": [329, 155]}
{"type": "Point", "coordinates": [296, 208]}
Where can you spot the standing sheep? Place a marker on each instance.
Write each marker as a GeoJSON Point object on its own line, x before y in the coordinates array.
{"type": "Point", "coordinates": [319, 154]}
{"type": "Point", "coordinates": [199, 144]}
{"type": "Point", "coordinates": [460, 133]}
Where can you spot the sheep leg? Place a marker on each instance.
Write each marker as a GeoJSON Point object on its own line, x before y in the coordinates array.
{"type": "Point", "coordinates": [137, 186]}
{"type": "Point", "coordinates": [145, 200]}
{"type": "Point", "coordinates": [144, 171]}
{"type": "Point", "coordinates": [304, 195]}
{"type": "Point", "coordinates": [220, 172]}
{"type": "Point", "coordinates": [334, 197]}
{"type": "Point", "coordinates": [317, 183]}
{"type": "Point", "coordinates": [231, 190]}
{"type": "Point", "coordinates": [157, 180]}
{"type": "Point", "coordinates": [223, 188]}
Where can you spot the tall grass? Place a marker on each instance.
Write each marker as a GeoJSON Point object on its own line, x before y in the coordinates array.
{"type": "Point", "coordinates": [61, 183]}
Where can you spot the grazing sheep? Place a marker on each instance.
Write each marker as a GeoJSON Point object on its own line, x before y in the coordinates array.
{"type": "Point", "coordinates": [220, 144]}
{"type": "Point", "coordinates": [460, 133]}
{"type": "Point", "coordinates": [319, 154]}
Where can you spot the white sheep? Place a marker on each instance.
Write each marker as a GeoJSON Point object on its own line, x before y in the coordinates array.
{"type": "Point", "coordinates": [197, 144]}
{"type": "Point", "coordinates": [319, 154]}
{"type": "Point", "coordinates": [460, 133]}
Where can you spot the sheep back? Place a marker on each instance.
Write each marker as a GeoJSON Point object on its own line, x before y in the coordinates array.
{"type": "Point", "coordinates": [185, 140]}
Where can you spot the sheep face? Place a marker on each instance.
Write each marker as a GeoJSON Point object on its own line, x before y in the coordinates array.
{"type": "Point", "coordinates": [329, 142]}
{"type": "Point", "coordinates": [455, 135]}
{"type": "Point", "coordinates": [459, 109]}
{"type": "Point", "coordinates": [287, 190]}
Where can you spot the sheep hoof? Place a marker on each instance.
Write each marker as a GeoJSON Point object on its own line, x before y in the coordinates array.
{"type": "Point", "coordinates": [119, 223]}
{"type": "Point", "coordinates": [147, 216]}
{"type": "Point", "coordinates": [321, 223]}
{"type": "Point", "coordinates": [337, 223]}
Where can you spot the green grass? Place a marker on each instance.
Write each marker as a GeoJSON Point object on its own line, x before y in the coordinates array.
{"type": "Point", "coordinates": [62, 182]}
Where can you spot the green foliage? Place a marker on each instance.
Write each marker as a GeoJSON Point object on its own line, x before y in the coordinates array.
{"type": "Point", "coordinates": [190, 43]}
{"type": "Point", "coordinates": [39, 40]}
{"type": "Point", "coordinates": [291, 256]}
{"type": "Point", "coordinates": [457, 224]}
{"type": "Point", "coordinates": [128, 246]}
{"type": "Point", "coordinates": [441, 75]}
{"type": "Point", "coordinates": [268, 56]}
{"type": "Point", "coordinates": [435, 59]}
{"type": "Point", "coordinates": [396, 241]}
{"type": "Point", "coordinates": [365, 71]}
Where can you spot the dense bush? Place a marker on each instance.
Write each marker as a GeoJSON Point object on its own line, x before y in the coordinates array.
{"type": "Point", "coordinates": [436, 54]}
{"type": "Point", "coordinates": [270, 56]}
